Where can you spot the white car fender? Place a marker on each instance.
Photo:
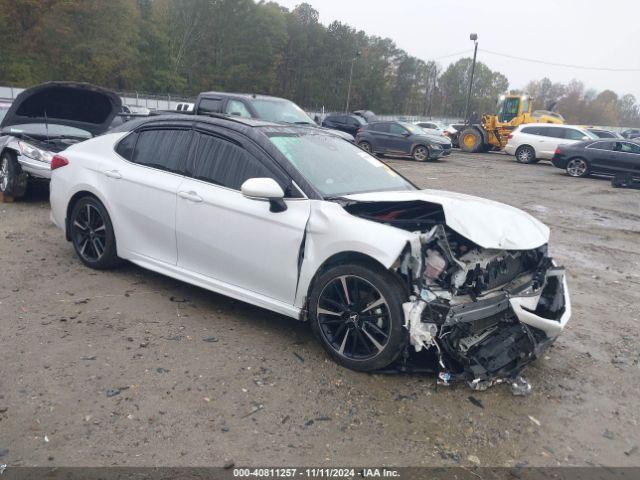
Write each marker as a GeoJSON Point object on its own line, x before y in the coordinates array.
{"type": "Point", "coordinates": [332, 230]}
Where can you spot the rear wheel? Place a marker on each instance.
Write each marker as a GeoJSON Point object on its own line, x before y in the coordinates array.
{"type": "Point", "coordinates": [13, 181]}
{"type": "Point", "coordinates": [356, 313]}
{"type": "Point", "coordinates": [526, 154]}
{"type": "Point", "coordinates": [92, 234]}
{"type": "Point", "coordinates": [420, 153]}
{"type": "Point", "coordinates": [577, 167]}
{"type": "Point", "coordinates": [470, 140]}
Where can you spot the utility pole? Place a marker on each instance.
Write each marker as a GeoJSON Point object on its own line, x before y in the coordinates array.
{"type": "Point", "coordinates": [474, 38]}
{"type": "Point", "coordinates": [350, 77]}
{"type": "Point", "coordinates": [433, 89]}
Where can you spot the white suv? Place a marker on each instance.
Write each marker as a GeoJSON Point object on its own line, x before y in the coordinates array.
{"type": "Point", "coordinates": [535, 141]}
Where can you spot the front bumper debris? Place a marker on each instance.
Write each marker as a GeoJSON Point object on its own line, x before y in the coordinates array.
{"type": "Point", "coordinates": [491, 340]}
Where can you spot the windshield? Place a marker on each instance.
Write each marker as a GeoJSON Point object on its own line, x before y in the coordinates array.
{"type": "Point", "coordinates": [3, 111]}
{"type": "Point", "coordinates": [414, 129]}
{"type": "Point", "coordinates": [41, 130]}
{"type": "Point", "coordinates": [273, 110]}
{"type": "Point", "coordinates": [336, 167]}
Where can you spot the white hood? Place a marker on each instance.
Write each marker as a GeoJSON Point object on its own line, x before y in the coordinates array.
{"type": "Point", "coordinates": [485, 222]}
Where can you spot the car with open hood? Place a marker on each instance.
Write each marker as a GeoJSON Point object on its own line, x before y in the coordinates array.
{"type": "Point", "coordinates": [301, 222]}
{"type": "Point", "coordinates": [44, 120]}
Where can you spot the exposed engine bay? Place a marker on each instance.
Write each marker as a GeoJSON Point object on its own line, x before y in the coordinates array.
{"type": "Point", "coordinates": [486, 312]}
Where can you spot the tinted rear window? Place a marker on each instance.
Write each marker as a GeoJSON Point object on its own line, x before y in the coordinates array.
{"type": "Point", "coordinates": [165, 149]}
{"type": "Point", "coordinates": [126, 146]}
{"type": "Point", "coordinates": [553, 132]}
{"type": "Point", "coordinates": [603, 145]}
{"type": "Point", "coordinates": [379, 127]}
{"type": "Point", "coordinates": [532, 130]}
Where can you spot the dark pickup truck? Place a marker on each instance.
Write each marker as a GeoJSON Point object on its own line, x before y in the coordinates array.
{"type": "Point", "coordinates": [250, 105]}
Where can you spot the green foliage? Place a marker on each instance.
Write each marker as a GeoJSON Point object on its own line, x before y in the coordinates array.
{"type": "Point", "coordinates": [187, 46]}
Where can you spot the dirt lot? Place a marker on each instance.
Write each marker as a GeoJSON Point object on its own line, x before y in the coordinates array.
{"type": "Point", "coordinates": [131, 368]}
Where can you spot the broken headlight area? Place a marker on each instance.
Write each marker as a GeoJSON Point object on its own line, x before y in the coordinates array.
{"type": "Point", "coordinates": [485, 313]}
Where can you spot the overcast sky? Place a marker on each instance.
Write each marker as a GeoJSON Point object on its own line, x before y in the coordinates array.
{"type": "Point", "coordinates": [591, 33]}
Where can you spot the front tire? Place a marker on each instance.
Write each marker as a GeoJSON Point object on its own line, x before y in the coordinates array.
{"type": "Point", "coordinates": [92, 234]}
{"type": "Point", "coordinates": [420, 153]}
{"type": "Point", "coordinates": [470, 141]}
{"type": "Point", "coordinates": [356, 313]}
{"type": "Point", "coordinates": [13, 181]}
{"type": "Point", "coordinates": [577, 167]}
{"type": "Point", "coordinates": [526, 154]}
{"type": "Point", "coordinates": [366, 146]}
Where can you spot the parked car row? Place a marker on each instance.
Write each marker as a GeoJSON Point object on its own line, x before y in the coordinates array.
{"type": "Point", "coordinates": [580, 151]}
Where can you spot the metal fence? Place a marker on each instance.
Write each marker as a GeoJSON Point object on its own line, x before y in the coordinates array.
{"type": "Point", "coordinates": [136, 99]}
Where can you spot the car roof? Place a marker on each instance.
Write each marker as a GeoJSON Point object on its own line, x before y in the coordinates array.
{"type": "Point", "coordinates": [249, 96]}
{"type": "Point", "coordinates": [213, 119]}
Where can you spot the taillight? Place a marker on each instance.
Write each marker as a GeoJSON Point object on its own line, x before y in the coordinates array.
{"type": "Point", "coordinates": [557, 152]}
{"type": "Point", "coordinates": [58, 161]}
{"type": "Point", "coordinates": [510, 136]}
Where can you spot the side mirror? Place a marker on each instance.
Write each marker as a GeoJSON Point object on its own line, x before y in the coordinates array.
{"type": "Point", "coordinates": [586, 138]}
{"type": "Point", "coordinates": [406, 134]}
{"type": "Point", "coordinates": [265, 189]}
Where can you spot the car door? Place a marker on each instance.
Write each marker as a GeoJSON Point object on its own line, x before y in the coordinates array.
{"type": "Point", "coordinates": [352, 125]}
{"type": "Point", "coordinates": [378, 134]}
{"type": "Point", "coordinates": [548, 141]}
{"type": "Point", "coordinates": [625, 158]}
{"type": "Point", "coordinates": [399, 139]}
{"type": "Point", "coordinates": [142, 190]}
{"type": "Point", "coordinates": [599, 156]}
{"type": "Point", "coordinates": [231, 238]}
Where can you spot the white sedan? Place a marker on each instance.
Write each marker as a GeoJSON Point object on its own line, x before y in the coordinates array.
{"type": "Point", "coordinates": [299, 221]}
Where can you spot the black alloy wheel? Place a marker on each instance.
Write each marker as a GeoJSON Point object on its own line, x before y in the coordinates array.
{"type": "Point", "coordinates": [357, 314]}
{"type": "Point", "coordinates": [92, 234]}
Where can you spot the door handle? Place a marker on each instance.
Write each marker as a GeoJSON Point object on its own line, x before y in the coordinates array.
{"type": "Point", "coordinates": [191, 196]}
{"type": "Point", "coordinates": [113, 174]}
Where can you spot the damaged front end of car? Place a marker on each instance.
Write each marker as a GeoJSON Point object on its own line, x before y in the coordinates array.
{"type": "Point", "coordinates": [485, 312]}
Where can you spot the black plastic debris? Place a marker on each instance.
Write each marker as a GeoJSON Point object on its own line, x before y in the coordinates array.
{"type": "Point", "coordinates": [475, 402]}
{"type": "Point", "coordinates": [625, 181]}
{"type": "Point", "coordinates": [112, 392]}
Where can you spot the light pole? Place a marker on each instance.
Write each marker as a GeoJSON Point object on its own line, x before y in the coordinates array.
{"type": "Point", "coordinates": [350, 77]}
{"type": "Point", "coordinates": [474, 38]}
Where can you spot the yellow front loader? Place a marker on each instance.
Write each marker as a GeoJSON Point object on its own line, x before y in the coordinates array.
{"type": "Point", "coordinates": [493, 130]}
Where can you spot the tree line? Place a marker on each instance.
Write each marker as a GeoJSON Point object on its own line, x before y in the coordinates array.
{"type": "Point", "coordinates": [183, 47]}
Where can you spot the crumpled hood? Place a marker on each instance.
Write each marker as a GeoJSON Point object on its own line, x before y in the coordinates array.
{"type": "Point", "coordinates": [75, 104]}
{"type": "Point", "coordinates": [485, 222]}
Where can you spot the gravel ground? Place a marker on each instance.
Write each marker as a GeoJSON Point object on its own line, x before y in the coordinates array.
{"type": "Point", "coordinates": [131, 368]}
